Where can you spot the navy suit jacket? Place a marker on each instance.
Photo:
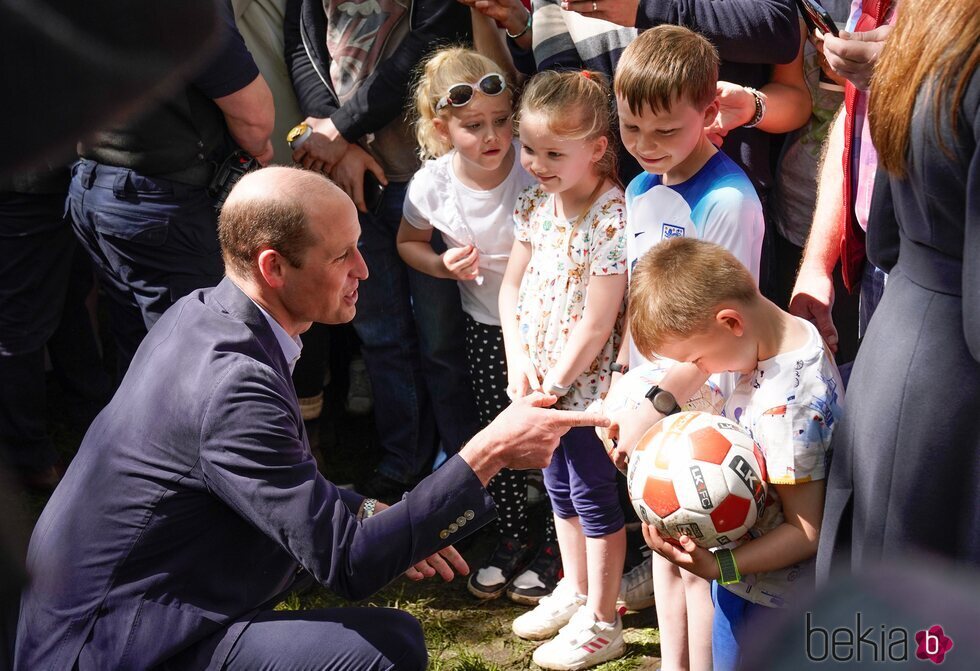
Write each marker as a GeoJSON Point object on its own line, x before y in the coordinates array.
{"type": "Point", "coordinates": [194, 498]}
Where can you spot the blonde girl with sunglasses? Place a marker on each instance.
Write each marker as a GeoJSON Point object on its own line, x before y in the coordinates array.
{"type": "Point", "coordinates": [466, 190]}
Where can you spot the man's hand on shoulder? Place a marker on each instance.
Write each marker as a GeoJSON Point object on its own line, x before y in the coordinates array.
{"type": "Point", "coordinates": [523, 436]}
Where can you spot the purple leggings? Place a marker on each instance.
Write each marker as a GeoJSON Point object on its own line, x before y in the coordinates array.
{"type": "Point", "coordinates": [581, 481]}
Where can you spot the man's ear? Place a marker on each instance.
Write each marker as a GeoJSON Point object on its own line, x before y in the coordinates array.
{"type": "Point", "coordinates": [731, 319]}
{"type": "Point", "coordinates": [270, 265]}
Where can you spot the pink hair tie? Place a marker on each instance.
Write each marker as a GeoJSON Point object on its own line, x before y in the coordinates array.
{"type": "Point", "coordinates": [587, 74]}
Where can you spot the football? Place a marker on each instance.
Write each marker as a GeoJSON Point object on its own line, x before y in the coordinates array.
{"type": "Point", "coordinates": [699, 475]}
{"type": "Point", "coordinates": [630, 392]}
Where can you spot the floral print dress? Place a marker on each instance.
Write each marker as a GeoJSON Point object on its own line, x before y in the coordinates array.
{"type": "Point", "coordinates": [552, 296]}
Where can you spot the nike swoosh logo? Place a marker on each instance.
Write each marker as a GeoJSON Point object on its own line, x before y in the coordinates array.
{"type": "Point", "coordinates": [636, 235]}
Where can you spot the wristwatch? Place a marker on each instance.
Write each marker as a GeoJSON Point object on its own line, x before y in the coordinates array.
{"type": "Point", "coordinates": [617, 367]}
{"type": "Point", "coordinates": [367, 508]}
{"type": "Point", "coordinates": [663, 401]}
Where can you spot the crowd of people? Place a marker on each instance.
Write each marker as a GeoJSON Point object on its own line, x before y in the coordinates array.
{"type": "Point", "coordinates": [512, 203]}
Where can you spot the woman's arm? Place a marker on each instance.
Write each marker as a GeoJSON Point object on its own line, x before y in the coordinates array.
{"type": "Point", "coordinates": [787, 102]}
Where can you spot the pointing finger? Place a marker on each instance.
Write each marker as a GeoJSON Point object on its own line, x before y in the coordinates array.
{"type": "Point", "coordinates": [573, 418]}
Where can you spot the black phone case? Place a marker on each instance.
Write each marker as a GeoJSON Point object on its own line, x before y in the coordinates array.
{"type": "Point", "coordinates": [373, 191]}
{"type": "Point", "coordinates": [816, 16]}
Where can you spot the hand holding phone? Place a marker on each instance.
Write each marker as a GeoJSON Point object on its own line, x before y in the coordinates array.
{"type": "Point", "coordinates": [853, 55]}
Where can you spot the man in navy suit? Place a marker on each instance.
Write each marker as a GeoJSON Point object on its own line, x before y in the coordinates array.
{"type": "Point", "coordinates": [194, 498]}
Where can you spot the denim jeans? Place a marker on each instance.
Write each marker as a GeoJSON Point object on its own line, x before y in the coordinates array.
{"type": "Point", "coordinates": [872, 288]}
{"type": "Point", "coordinates": [152, 241]}
{"type": "Point", "coordinates": [412, 333]}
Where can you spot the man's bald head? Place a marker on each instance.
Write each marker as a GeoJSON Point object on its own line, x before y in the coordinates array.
{"type": "Point", "coordinates": [269, 209]}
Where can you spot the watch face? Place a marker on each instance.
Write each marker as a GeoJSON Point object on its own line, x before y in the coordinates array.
{"type": "Point", "coordinates": [296, 132]}
{"type": "Point", "coordinates": [664, 402]}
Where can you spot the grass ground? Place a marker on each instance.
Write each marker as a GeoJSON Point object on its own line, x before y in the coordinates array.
{"type": "Point", "coordinates": [462, 633]}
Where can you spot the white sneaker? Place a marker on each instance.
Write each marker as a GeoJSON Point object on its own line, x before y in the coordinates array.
{"type": "Point", "coordinates": [551, 614]}
{"type": "Point", "coordinates": [636, 589]}
{"type": "Point", "coordinates": [582, 643]}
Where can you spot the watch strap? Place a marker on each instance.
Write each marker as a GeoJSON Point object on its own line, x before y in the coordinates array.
{"type": "Point", "coordinates": [727, 568]}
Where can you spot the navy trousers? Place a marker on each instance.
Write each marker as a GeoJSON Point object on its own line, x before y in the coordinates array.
{"type": "Point", "coordinates": [151, 240]}
{"type": "Point", "coordinates": [329, 639]}
{"type": "Point", "coordinates": [36, 247]}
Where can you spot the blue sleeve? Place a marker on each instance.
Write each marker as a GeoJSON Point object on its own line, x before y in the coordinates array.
{"type": "Point", "coordinates": [744, 31]}
{"type": "Point", "coordinates": [253, 460]}
{"type": "Point", "coordinates": [232, 68]}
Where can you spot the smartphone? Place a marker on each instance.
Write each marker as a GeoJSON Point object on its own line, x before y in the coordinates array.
{"type": "Point", "coordinates": [817, 18]}
{"type": "Point", "coordinates": [373, 192]}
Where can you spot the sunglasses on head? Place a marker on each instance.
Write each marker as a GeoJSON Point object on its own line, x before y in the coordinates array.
{"type": "Point", "coordinates": [492, 84]}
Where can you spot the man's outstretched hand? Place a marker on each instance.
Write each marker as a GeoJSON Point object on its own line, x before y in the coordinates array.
{"type": "Point", "coordinates": [524, 435]}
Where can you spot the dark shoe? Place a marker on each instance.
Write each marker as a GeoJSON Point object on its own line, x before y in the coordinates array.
{"type": "Point", "coordinates": [540, 578]}
{"type": "Point", "coordinates": [508, 559]}
{"type": "Point", "coordinates": [383, 488]}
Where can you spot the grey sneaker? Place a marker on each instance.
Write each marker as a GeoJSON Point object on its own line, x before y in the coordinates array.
{"type": "Point", "coordinates": [636, 589]}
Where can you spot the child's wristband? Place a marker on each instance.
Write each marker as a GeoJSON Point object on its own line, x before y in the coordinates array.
{"type": "Point", "coordinates": [727, 568]}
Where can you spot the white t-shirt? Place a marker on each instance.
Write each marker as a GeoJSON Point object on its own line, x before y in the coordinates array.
{"type": "Point", "coordinates": [790, 405]}
{"type": "Point", "coordinates": [437, 199]}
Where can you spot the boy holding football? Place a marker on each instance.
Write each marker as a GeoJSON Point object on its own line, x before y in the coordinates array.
{"type": "Point", "coordinates": [692, 301]}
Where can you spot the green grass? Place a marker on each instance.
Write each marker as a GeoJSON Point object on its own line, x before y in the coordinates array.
{"type": "Point", "coordinates": [464, 634]}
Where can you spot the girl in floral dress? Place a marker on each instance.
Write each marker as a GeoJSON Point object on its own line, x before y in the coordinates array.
{"type": "Point", "coordinates": [561, 309]}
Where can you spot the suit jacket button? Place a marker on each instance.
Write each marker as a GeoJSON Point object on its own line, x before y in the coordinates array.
{"type": "Point", "coordinates": [443, 534]}
{"type": "Point", "coordinates": [468, 514]}
{"type": "Point", "coordinates": [461, 521]}
{"type": "Point", "coordinates": [453, 528]}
